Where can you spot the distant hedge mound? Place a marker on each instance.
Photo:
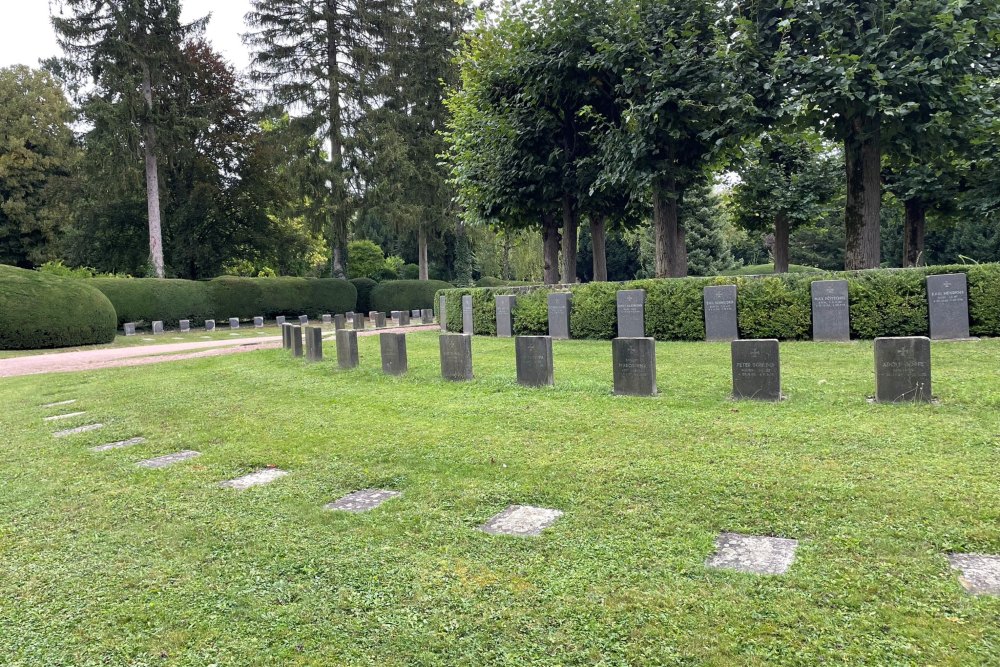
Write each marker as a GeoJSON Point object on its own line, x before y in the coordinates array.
{"type": "Point", "coordinates": [39, 311]}
{"type": "Point", "coordinates": [364, 287]}
{"type": "Point", "coordinates": [406, 294]}
{"type": "Point", "coordinates": [884, 302]}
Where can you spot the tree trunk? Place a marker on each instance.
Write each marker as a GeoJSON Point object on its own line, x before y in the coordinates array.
{"type": "Point", "coordinates": [597, 242]}
{"type": "Point", "coordinates": [913, 232]}
{"type": "Point", "coordinates": [422, 252]}
{"type": "Point", "coordinates": [781, 226]}
{"type": "Point", "coordinates": [571, 223]}
{"type": "Point", "coordinates": [550, 248]}
{"type": "Point", "coordinates": [152, 179]}
{"type": "Point", "coordinates": [863, 160]}
{"type": "Point", "coordinates": [338, 190]}
{"type": "Point", "coordinates": [671, 249]}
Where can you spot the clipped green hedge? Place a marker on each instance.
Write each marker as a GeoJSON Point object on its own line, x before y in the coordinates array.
{"type": "Point", "coordinates": [406, 294]}
{"type": "Point", "coordinates": [884, 302]}
{"type": "Point", "coordinates": [39, 310]}
{"type": "Point", "coordinates": [364, 287]}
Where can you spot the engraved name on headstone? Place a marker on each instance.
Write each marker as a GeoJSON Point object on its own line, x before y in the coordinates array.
{"type": "Point", "coordinates": [720, 313]}
{"type": "Point", "coordinates": [902, 369]}
{"type": "Point", "coordinates": [533, 357]}
{"type": "Point", "coordinates": [948, 305]}
{"type": "Point", "coordinates": [347, 349]}
{"type": "Point", "coordinates": [559, 309]}
{"type": "Point", "coordinates": [756, 369]}
{"type": "Point", "coordinates": [631, 313]}
{"type": "Point", "coordinates": [456, 356]}
{"type": "Point", "coordinates": [831, 310]}
{"type": "Point", "coordinates": [505, 315]}
{"type": "Point", "coordinates": [634, 364]}
{"type": "Point", "coordinates": [393, 346]}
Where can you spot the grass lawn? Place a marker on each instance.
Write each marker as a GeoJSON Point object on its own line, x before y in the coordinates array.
{"type": "Point", "coordinates": [102, 563]}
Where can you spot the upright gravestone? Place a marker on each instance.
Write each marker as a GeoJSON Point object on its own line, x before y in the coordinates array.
{"type": "Point", "coordinates": [831, 310]}
{"type": "Point", "coordinates": [347, 349]}
{"type": "Point", "coordinates": [427, 315]}
{"type": "Point", "coordinates": [157, 327]}
{"type": "Point", "coordinates": [416, 313]}
{"type": "Point", "coordinates": [756, 370]}
{"type": "Point", "coordinates": [533, 356]}
{"type": "Point", "coordinates": [209, 325]}
{"type": "Point", "coordinates": [359, 321]}
{"type": "Point", "coordinates": [559, 308]}
{"type": "Point", "coordinates": [393, 353]}
{"type": "Point", "coordinates": [303, 320]}
{"type": "Point", "coordinates": [634, 364]}
{"type": "Point", "coordinates": [234, 323]}
{"type": "Point", "coordinates": [395, 316]}
{"type": "Point", "coordinates": [372, 316]}
{"type": "Point", "coordinates": [720, 313]}
{"type": "Point", "coordinates": [339, 321]}
{"type": "Point", "coordinates": [297, 340]}
{"type": "Point", "coordinates": [258, 322]}
{"type": "Point", "coordinates": [379, 320]}
{"type": "Point", "coordinates": [631, 313]}
{"type": "Point", "coordinates": [443, 312]}
{"type": "Point", "coordinates": [314, 343]}
{"type": "Point", "coordinates": [129, 328]}
{"type": "Point", "coordinates": [505, 316]}
{"type": "Point", "coordinates": [948, 302]}
{"type": "Point", "coordinates": [328, 319]}
{"type": "Point", "coordinates": [286, 336]}
{"type": "Point", "coordinates": [467, 320]}
{"type": "Point", "coordinates": [404, 318]}
{"type": "Point", "coordinates": [350, 316]}
{"type": "Point", "coordinates": [280, 320]}
{"type": "Point", "coordinates": [185, 326]}
{"type": "Point", "coordinates": [902, 369]}
{"type": "Point", "coordinates": [456, 356]}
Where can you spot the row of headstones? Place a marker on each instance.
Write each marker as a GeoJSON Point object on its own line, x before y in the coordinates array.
{"type": "Point", "coordinates": [947, 298]}
{"type": "Point", "coordinates": [393, 347]}
{"type": "Point", "coordinates": [426, 316]}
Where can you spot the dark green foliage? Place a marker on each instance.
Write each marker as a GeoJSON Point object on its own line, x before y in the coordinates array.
{"type": "Point", "coordinates": [364, 287]}
{"type": "Point", "coordinates": [674, 308]}
{"type": "Point", "coordinates": [489, 281]}
{"type": "Point", "coordinates": [410, 272]}
{"type": "Point", "coordinates": [406, 294]}
{"type": "Point", "coordinates": [888, 303]}
{"type": "Point", "coordinates": [38, 311]}
{"type": "Point", "coordinates": [148, 299]}
{"type": "Point", "coordinates": [594, 311]}
{"type": "Point", "coordinates": [232, 296]}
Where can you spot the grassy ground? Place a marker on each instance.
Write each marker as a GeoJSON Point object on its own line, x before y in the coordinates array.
{"type": "Point", "coordinates": [105, 564]}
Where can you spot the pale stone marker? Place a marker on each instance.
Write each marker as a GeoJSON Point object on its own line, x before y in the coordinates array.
{"type": "Point", "coordinates": [379, 320]}
{"type": "Point", "coordinates": [902, 369]}
{"type": "Point", "coordinates": [416, 314]}
{"type": "Point", "coordinates": [279, 320]}
{"type": "Point", "coordinates": [634, 365]}
{"type": "Point", "coordinates": [297, 340]}
{"type": "Point", "coordinates": [60, 403]}
{"type": "Point", "coordinates": [347, 349]}
{"type": "Point", "coordinates": [393, 346]}
{"type": "Point", "coordinates": [328, 319]}
{"type": "Point", "coordinates": [340, 321]}
{"type": "Point", "coordinates": [753, 554]}
{"type": "Point", "coordinates": [234, 323]}
{"type": "Point", "coordinates": [948, 306]}
{"type": "Point", "coordinates": [131, 442]}
{"type": "Point", "coordinates": [456, 356]}
{"type": "Point", "coordinates": [257, 478]}
{"type": "Point", "coordinates": [720, 313]}
{"type": "Point", "coordinates": [521, 520]}
{"type": "Point", "coordinates": [78, 429]}
{"type": "Point", "coordinates": [157, 327]}
{"type": "Point", "coordinates": [314, 343]}
{"type": "Point", "coordinates": [980, 573]}
{"type": "Point", "coordinates": [559, 309]}
{"type": "Point", "coordinates": [404, 318]}
{"type": "Point", "coordinates": [129, 328]}
{"type": "Point", "coordinates": [258, 322]}
{"type": "Point", "coordinates": [756, 369]}
{"type": "Point", "coordinates": [395, 315]}
{"type": "Point", "coordinates": [362, 501]}
{"type": "Point", "coordinates": [209, 325]}
{"type": "Point", "coordinates": [467, 318]}
{"type": "Point", "coordinates": [359, 321]}
{"type": "Point", "coordinates": [427, 316]}
{"type": "Point", "coordinates": [68, 415]}
{"type": "Point", "coordinates": [831, 310]}
{"type": "Point", "coordinates": [168, 460]}
{"type": "Point", "coordinates": [533, 357]}
{"type": "Point", "coordinates": [185, 326]}
{"type": "Point", "coordinates": [303, 320]}
{"type": "Point", "coordinates": [505, 315]}
{"type": "Point", "coordinates": [443, 312]}
{"type": "Point", "coordinates": [631, 313]}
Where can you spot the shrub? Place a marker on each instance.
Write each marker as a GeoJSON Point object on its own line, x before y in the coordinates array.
{"type": "Point", "coordinates": [406, 294]}
{"type": "Point", "coordinates": [44, 311]}
{"type": "Point", "coordinates": [489, 281]}
{"type": "Point", "coordinates": [364, 287]}
{"type": "Point", "coordinates": [234, 296]}
{"type": "Point", "coordinates": [364, 258]}
{"type": "Point", "coordinates": [410, 272]}
{"type": "Point", "coordinates": [148, 299]}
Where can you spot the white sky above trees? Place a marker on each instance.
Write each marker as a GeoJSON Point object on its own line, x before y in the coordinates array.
{"type": "Point", "coordinates": [26, 35]}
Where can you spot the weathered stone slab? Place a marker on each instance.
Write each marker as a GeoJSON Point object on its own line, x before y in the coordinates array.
{"type": "Point", "coordinates": [362, 501]}
{"type": "Point", "coordinates": [258, 322]}
{"type": "Point", "coordinates": [68, 415]}
{"type": "Point", "coordinates": [902, 369]}
{"type": "Point", "coordinates": [756, 369]}
{"type": "Point", "coordinates": [427, 316]}
{"type": "Point", "coordinates": [129, 328]}
{"type": "Point", "coordinates": [209, 325]}
{"type": "Point", "coordinates": [347, 349]}
{"type": "Point", "coordinates": [57, 404]}
{"type": "Point", "coordinates": [303, 320]}
{"type": "Point", "coordinates": [359, 321]}
{"type": "Point", "coordinates": [157, 327]}
{"type": "Point", "coordinates": [416, 313]}
{"type": "Point", "coordinates": [505, 304]}
{"type": "Point", "coordinates": [533, 357]}
{"type": "Point", "coordinates": [379, 320]}
{"type": "Point", "coordinates": [468, 324]}
{"type": "Point", "coordinates": [980, 573]}
{"type": "Point", "coordinates": [120, 444]}
{"type": "Point", "coordinates": [521, 520]}
{"type": "Point", "coordinates": [559, 309]}
{"type": "Point", "coordinates": [257, 478]}
{"type": "Point", "coordinates": [314, 344]}
{"type": "Point", "coordinates": [168, 460]}
{"type": "Point", "coordinates": [443, 312]}
{"type": "Point", "coordinates": [753, 554]}
{"type": "Point", "coordinates": [328, 319]}
{"type": "Point", "coordinates": [340, 321]}
{"type": "Point", "coordinates": [279, 320]}
{"type": "Point", "coordinates": [720, 313]}
{"type": "Point", "coordinates": [395, 315]}
{"type": "Point", "coordinates": [456, 356]}
{"type": "Point", "coordinates": [404, 318]}
{"type": "Point", "coordinates": [185, 326]}
{"type": "Point", "coordinates": [631, 313]}
{"type": "Point", "coordinates": [831, 311]}
{"type": "Point", "coordinates": [633, 362]}
{"type": "Point", "coordinates": [296, 340]}
{"type": "Point", "coordinates": [948, 306]}
{"type": "Point", "coordinates": [78, 429]}
{"type": "Point", "coordinates": [393, 347]}
{"type": "Point", "coordinates": [286, 336]}
{"type": "Point", "coordinates": [234, 323]}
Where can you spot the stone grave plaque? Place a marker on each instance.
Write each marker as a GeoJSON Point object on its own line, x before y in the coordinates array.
{"type": "Point", "coordinates": [559, 309]}
{"type": "Point", "coordinates": [256, 478]}
{"type": "Point", "coordinates": [393, 347]}
{"type": "Point", "coordinates": [258, 322]}
{"type": "Point", "coordinates": [468, 325]}
{"type": "Point", "coordinates": [314, 344]}
{"type": "Point", "coordinates": [948, 306]}
{"type": "Point", "coordinates": [129, 328]}
{"type": "Point", "coordinates": [533, 356]}
{"type": "Point", "coordinates": [157, 327]}
{"type": "Point", "coordinates": [328, 319]}
{"type": "Point", "coordinates": [902, 369]}
{"type": "Point", "coordinates": [279, 320]}
{"type": "Point", "coordinates": [443, 312]}
{"type": "Point", "coordinates": [756, 369]}
{"type": "Point", "coordinates": [209, 325]}
{"type": "Point", "coordinates": [168, 460]}
{"type": "Point", "coordinates": [980, 573]}
{"type": "Point", "coordinates": [131, 442]}
{"type": "Point", "coordinates": [634, 364]}
{"type": "Point", "coordinates": [303, 320]}
{"type": "Point", "coordinates": [297, 340]}
{"type": "Point", "coordinates": [521, 520]}
{"type": "Point", "coordinates": [404, 318]}
{"type": "Point", "coordinates": [78, 429]}
{"type": "Point", "coordinates": [57, 404]}
{"type": "Point", "coordinates": [831, 311]}
{"type": "Point", "coordinates": [427, 316]}
{"type": "Point", "coordinates": [456, 356]}
{"type": "Point", "coordinates": [720, 313]}
{"type": "Point", "coordinates": [380, 320]}
{"type": "Point", "coordinates": [185, 326]}
{"type": "Point", "coordinates": [347, 349]}
{"type": "Point", "coordinates": [631, 313]}
{"type": "Point", "coordinates": [359, 321]}
{"type": "Point", "coordinates": [340, 321]}
{"type": "Point", "coordinates": [753, 554]}
{"type": "Point", "coordinates": [68, 415]}
{"type": "Point", "coordinates": [362, 501]}
{"type": "Point", "coordinates": [234, 323]}
{"type": "Point", "coordinates": [505, 315]}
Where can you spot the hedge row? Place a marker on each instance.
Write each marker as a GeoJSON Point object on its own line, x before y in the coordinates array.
{"type": "Point", "coordinates": [148, 299]}
{"type": "Point", "coordinates": [39, 311]}
{"type": "Point", "coordinates": [884, 302]}
{"type": "Point", "coordinates": [406, 294]}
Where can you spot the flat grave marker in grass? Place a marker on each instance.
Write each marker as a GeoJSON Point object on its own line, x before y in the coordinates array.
{"type": "Point", "coordinates": [456, 356]}
{"type": "Point", "coordinates": [256, 478]}
{"type": "Point", "coordinates": [78, 429]}
{"type": "Point", "coordinates": [720, 313]}
{"type": "Point", "coordinates": [831, 310]}
{"type": "Point", "coordinates": [521, 520]}
{"type": "Point", "coordinates": [362, 501]}
{"type": "Point", "coordinates": [756, 370]}
{"type": "Point", "coordinates": [120, 444]}
{"type": "Point", "coordinates": [68, 415]}
{"type": "Point", "coordinates": [168, 459]}
{"type": "Point", "coordinates": [633, 361]}
{"type": "Point", "coordinates": [980, 573]}
{"type": "Point", "coordinates": [533, 358]}
{"type": "Point", "coordinates": [57, 404]}
{"type": "Point", "coordinates": [902, 369]}
{"type": "Point", "coordinates": [753, 554]}
{"type": "Point", "coordinates": [149, 340]}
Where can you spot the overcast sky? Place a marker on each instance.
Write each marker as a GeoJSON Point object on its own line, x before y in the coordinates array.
{"type": "Point", "coordinates": [26, 34]}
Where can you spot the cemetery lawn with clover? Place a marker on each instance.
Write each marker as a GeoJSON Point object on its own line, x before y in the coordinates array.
{"type": "Point", "coordinates": [105, 563]}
